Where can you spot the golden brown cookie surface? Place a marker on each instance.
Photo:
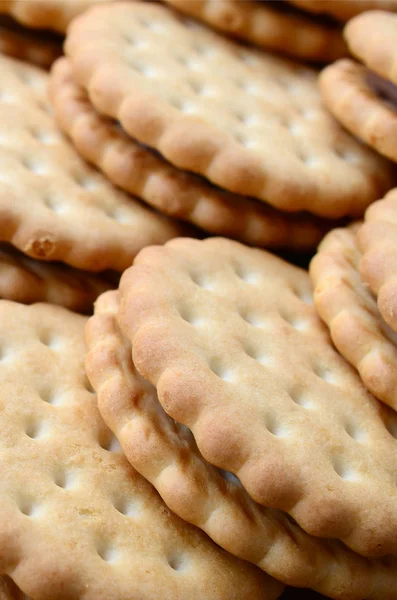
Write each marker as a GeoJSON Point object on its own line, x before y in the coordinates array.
{"type": "Point", "coordinates": [166, 454]}
{"type": "Point", "coordinates": [46, 14]}
{"type": "Point", "coordinates": [177, 193]}
{"type": "Point", "coordinates": [372, 37]}
{"type": "Point", "coordinates": [27, 280]}
{"type": "Point", "coordinates": [269, 25]}
{"type": "Point", "coordinates": [249, 122]}
{"type": "Point", "coordinates": [77, 520]}
{"type": "Point", "coordinates": [346, 304]}
{"type": "Point", "coordinates": [229, 337]}
{"type": "Point", "coordinates": [377, 240]}
{"type": "Point", "coordinates": [350, 92]}
{"type": "Point", "coordinates": [53, 206]}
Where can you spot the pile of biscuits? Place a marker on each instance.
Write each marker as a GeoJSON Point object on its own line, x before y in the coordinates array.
{"type": "Point", "coordinates": [189, 409]}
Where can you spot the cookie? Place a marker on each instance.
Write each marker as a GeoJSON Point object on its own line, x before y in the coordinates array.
{"type": "Point", "coordinates": [250, 122]}
{"type": "Point", "coordinates": [377, 240]}
{"type": "Point", "coordinates": [77, 520]}
{"type": "Point", "coordinates": [269, 25]}
{"type": "Point", "coordinates": [165, 453]}
{"type": "Point", "coordinates": [371, 37]}
{"type": "Point", "coordinates": [179, 194]}
{"type": "Point", "coordinates": [343, 10]}
{"type": "Point", "coordinates": [21, 43]}
{"type": "Point", "coordinates": [363, 98]}
{"type": "Point", "coordinates": [346, 304]}
{"type": "Point", "coordinates": [26, 280]}
{"type": "Point", "coordinates": [53, 206]}
{"type": "Point", "coordinates": [229, 337]}
{"type": "Point", "coordinates": [46, 14]}
{"type": "Point", "coordinates": [358, 99]}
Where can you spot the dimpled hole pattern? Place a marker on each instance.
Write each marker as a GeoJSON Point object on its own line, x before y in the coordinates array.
{"type": "Point", "coordinates": [68, 476]}
{"type": "Point", "coordinates": [267, 98]}
{"type": "Point", "coordinates": [36, 161]}
{"type": "Point", "coordinates": [140, 412]}
{"type": "Point", "coordinates": [307, 387]}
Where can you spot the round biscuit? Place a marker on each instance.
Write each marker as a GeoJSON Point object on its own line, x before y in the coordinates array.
{"type": "Point", "coordinates": [248, 121]}
{"type": "Point", "coordinates": [346, 304]}
{"type": "Point", "coordinates": [77, 520]}
{"type": "Point", "coordinates": [372, 37]}
{"type": "Point", "coordinates": [53, 206]}
{"type": "Point", "coordinates": [179, 194]}
{"type": "Point", "coordinates": [27, 280]}
{"type": "Point", "coordinates": [230, 338]}
{"type": "Point", "coordinates": [166, 454]}
{"type": "Point", "coordinates": [351, 96]}
{"type": "Point", "coordinates": [54, 15]}
{"type": "Point", "coordinates": [377, 241]}
{"type": "Point", "coordinates": [271, 26]}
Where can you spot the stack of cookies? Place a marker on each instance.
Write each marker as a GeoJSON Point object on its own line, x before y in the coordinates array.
{"type": "Point", "coordinates": [224, 425]}
{"type": "Point", "coordinates": [362, 97]}
{"type": "Point", "coordinates": [33, 29]}
{"type": "Point", "coordinates": [74, 214]}
{"type": "Point", "coordinates": [160, 102]}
